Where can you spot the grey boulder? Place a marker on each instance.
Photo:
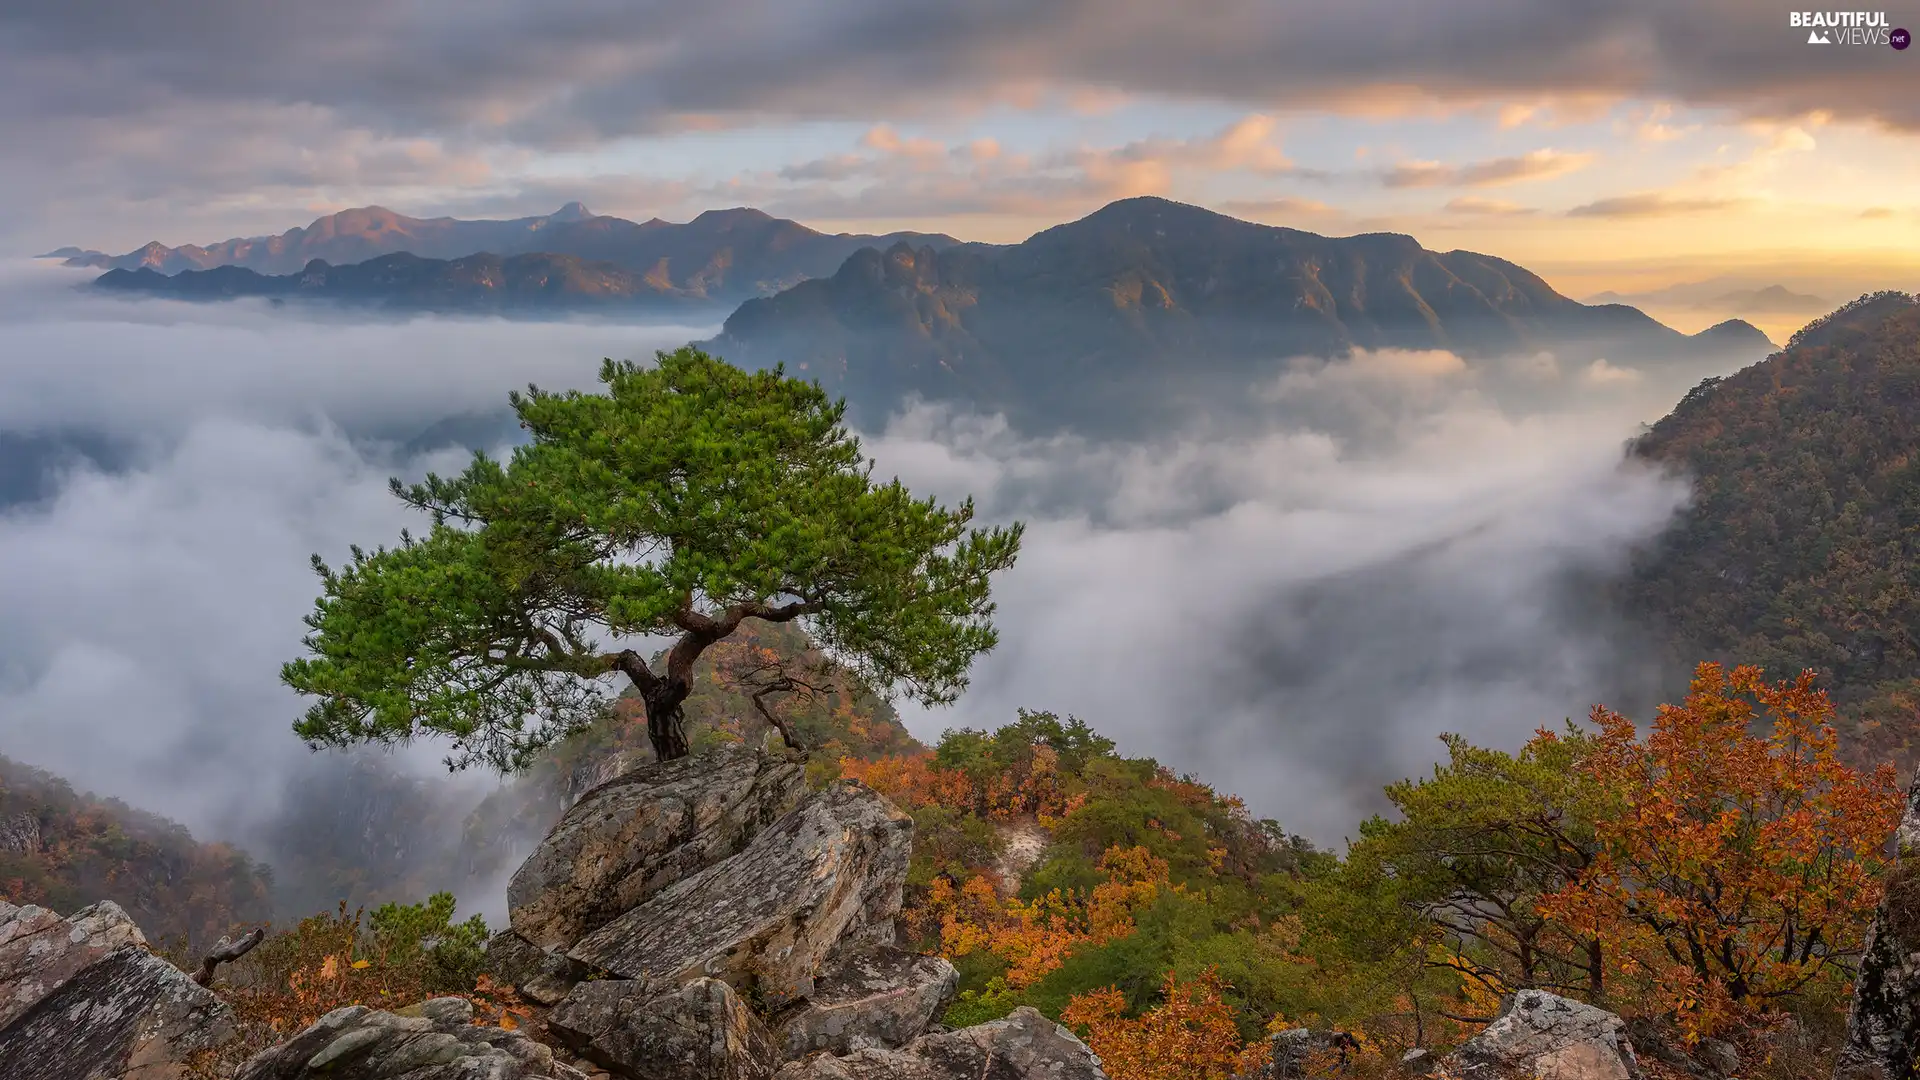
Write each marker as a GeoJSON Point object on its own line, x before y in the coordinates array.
{"type": "Point", "coordinates": [825, 880]}
{"type": "Point", "coordinates": [39, 950]}
{"type": "Point", "coordinates": [885, 997]}
{"type": "Point", "coordinates": [540, 975]}
{"type": "Point", "coordinates": [1024, 1045]}
{"type": "Point", "coordinates": [1297, 1053]}
{"type": "Point", "coordinates": [439, 1043]}
{"type": "Point", "coordinates": [656, 1031]}
{"type": "Point", "coordinates": [641, 832]}
{"type": "Point", "coordinates": [129, 1015]}
{"type": "Point", "coordinates": [1883, 1027]}
{"type": "Point", "coordinates": [1542, 1036]}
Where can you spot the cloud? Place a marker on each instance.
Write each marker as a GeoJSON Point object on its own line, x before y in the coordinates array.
{"type": "Point", "coordinates": [1295, 616]}
{"type": "Point", "coordinates": [1533, 165]}
{"type": "Point", "coordinates": [576, 70]}
{"type": "Point", "coordinates": [365, 101]}
{"type": "Point", "coordinates": [1602, 372]}
{"type": "Point", "coordinates": [1279, 208]}
{"type": "Point", "coordinates": [1473, 204]}
{"type": "Point", "coordinates": [888, 174]}
{"type": "Point", "coordinates": [1291, 609]}
{"type": "Point", "coordinates": [1651, 204]}
{"type": "Point", "coordinates": [1875, 213]}
{"type": "Point", "coordinates": [1652, 127]}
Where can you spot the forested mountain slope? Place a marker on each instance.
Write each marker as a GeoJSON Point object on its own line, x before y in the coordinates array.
{"type": "Point", "coordinates": [1801, 548]}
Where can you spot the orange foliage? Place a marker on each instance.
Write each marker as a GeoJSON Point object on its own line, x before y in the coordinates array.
{"type": "Point", "coordinates": [1036, 937]}
{"type": "Point", "coordinates": [1189, 1036]}
{"type": "Point", "coordinates": [910, 780]}
{"type": "Point", "coordinates": [1031, 787]}
{"type": "Point", "coordinates": [1739, 858]}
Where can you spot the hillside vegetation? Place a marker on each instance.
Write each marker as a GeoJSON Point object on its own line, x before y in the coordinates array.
{"type": "Point", "coordinates": [1690, 873]}
{"type": "Point", "coordinates": [64, 849]}
{"type": "Point", "coordinates": [1801, 548]}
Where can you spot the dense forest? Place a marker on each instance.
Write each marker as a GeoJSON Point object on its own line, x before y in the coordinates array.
{"type": "Point", "coordinates": [65, 849]}
{"type": "Point", "coordinates": [1799, 548]}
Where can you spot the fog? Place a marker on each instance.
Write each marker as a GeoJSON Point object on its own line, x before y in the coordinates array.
{"type": "Point", "coordinates": [1292, 610]}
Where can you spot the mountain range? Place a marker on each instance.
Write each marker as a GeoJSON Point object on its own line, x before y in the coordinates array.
{"type": "Point", "coordinates": [528, 285]}
{"type": "Point", "coordinates": [1143, 302]}
{"type": "Point", "coordinates": [721, 256]}
{"type": "Point", "coordinates": [1147, 299]}
{"type": "Point", "coordinates": [1720, 295]}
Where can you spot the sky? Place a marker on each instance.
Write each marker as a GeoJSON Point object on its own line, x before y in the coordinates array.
{"type": "Point", "coordinates": [1618, 145]}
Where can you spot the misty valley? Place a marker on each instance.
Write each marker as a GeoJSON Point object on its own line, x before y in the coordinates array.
{"type": "Point", "coordinates": [1166, 646]}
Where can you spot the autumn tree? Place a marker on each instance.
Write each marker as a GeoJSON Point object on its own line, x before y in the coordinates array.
{"type": "Point", "coordinates": [685, 499]}
{"type": "Point", "coordinates": [1478, 845]}
{"type": "Point", "coordinates": [1738, 857]}
{"type": "Point", "coordinates": [1189, 1035]}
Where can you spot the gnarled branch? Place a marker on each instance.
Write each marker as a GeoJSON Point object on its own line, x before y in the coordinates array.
{"type": "Point", "coordinates": [226, 951]}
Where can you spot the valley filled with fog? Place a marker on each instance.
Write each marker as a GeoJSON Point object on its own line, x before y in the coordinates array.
{"type": "Point", "coordinates": [1294, 603]}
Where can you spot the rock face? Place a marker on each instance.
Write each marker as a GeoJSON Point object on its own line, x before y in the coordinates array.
{"type": "Point", "coordinates": [641, 832]}
{"type": "Point", "coordinates": [359, 1043]}
{"type": "Point", "coordinates": [885, 997]}
{"type": "Point", "coordinates": [824, 881]}
{"type": "Point", "coordinates": [1297, 1053]}
{"type": "Point", "coordinates": [541, 976]}
{"type": "Point", "coordinates": [639, 1028]}
{"type": "Point", "coordinates": [84, 998]}
{"type": "Point", "coordinates": [1883, 1027]}
{"type": "Point", "coordinates": [39, 950]}
{"type": "Point", "coordinates": [1022, 1046]}
{"type": "Point", "coordinates": [1542, 1036]}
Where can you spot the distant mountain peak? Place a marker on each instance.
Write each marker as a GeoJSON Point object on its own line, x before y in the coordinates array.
{"type": "Point", "coordinates": [573, 211]}
{"type": "Point", "coordinates": [737, 215]}
{"type": "Point", "coordinates": [1152, 207]}
{"type": "Point", "coordinates": [1736, 332]}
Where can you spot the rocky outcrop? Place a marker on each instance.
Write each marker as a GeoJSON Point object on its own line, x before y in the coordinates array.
{"type": "Point", "coordinates": [1657, 1039]}
{"type": "Point", "coordinates": [823, 881]}
{"type": "Point", "coordinates": [1883, 1027]}
{"type": "Point", "coordinates": [541, 976]}
{"type": "Point", "coordinates": [1542, 1036]}
{"type": "Point", "coordinates": [641, 832]}
{"type": "Point", "coordinates": [1297, 1053]}
{"type": "Point", "coordinates": [641, 1028]}
{"type": "Point", "coordinates": [1024, 1045]}
{"type": "Point", "coordinates": [39, 950]}
{"type": "Point", "coordinates": [885, 997]}
{"type": "Point", "coordinates": [82, 997]}
{"type": "Point", "coordinates": [439, 1042]}
{"type": "Point", "coordinates": [20, 834]}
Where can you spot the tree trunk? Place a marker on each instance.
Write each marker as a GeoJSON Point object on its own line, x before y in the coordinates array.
{"type": "Point", "coordinates": [666, 722]}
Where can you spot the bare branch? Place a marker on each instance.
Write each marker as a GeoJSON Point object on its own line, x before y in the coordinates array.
{"type": "Point", "coordinates": [226, 951]}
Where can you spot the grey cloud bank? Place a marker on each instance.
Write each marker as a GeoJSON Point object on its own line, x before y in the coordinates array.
{"type": "Point", "coordinates": [1292, 610]}
{"type": "Point", "coordinates": [129, 123]}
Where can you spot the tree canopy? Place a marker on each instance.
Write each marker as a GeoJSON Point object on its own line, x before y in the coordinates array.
{"type": "Point", "coordinates": [685, 499]}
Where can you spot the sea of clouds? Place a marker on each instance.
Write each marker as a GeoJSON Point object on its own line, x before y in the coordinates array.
{"type": "Point", "coordinates": [1293, 610]}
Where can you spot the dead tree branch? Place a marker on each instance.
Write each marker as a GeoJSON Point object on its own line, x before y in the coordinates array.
{"type": "Point", "coordinates": [226, 951]}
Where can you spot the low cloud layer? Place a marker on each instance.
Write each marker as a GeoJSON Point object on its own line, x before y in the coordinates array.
{"type": "Point", "coordinates": [1296, 615]}
{"type": "Point", "coordinates": [1292, 610]}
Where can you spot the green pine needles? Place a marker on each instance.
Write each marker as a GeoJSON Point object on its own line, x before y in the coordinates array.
{"type": "Point", "coordinates": [684, 499]}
